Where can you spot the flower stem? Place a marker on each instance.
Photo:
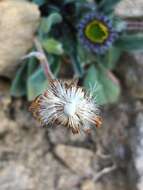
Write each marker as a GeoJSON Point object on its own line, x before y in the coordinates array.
{"type": "Point", "coordinates": [43, 60]}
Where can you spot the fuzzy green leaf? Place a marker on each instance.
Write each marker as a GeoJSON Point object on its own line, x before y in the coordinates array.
{"type": "Point", "coordinates": [53, 46]}
{"type": "Point", "coordinates": [36, 84]}
{"type": "Point", "coordinates": [132, 42]}
{"type": "Point", "coordinates": [108, 5]}
{"type": "Point", "coordinates": [32, 65]}
{"type": "Point", "coordinates": [48, 22]}
{"type": "Point", "coordinates": [107, 90]}
{"type": "Point", "coordinates": [55, 64]}
{"type": "Point", "coordinates": [39, 2]}
{"type": "Point", "coordinates": [73, 1]}
{"type": "Point", "coordinates": [110, 59]}
{"type": "Point", "coordinates": [18, 87]}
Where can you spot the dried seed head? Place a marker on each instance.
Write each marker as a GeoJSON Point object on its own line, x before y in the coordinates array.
{"type": "Point", "coordinates": [65, 103]}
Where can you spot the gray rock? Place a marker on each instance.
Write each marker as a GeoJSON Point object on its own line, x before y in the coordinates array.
{"type": "Point", "coordinates": [31, 159]}
{"type": "Point", "coordinates": [68, 181]}
{"type": "Point", "coordinates": [77, 159]}
{"type": "Point", "coordinates": [89, 185]}
{"type": "Point", "coordinates": [16, 177]}
{"type": "Point", "coordinates": [130, 8]}
{"type": "Point", "coordinates": [131, 69]}
{"type": "Point", "coordinates": [18, 22]}
{"type": "Point", "coordinates": [138, 154]}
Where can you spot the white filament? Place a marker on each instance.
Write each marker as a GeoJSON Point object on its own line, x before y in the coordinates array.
{"type": "Point", "coordinates": [70, 109]}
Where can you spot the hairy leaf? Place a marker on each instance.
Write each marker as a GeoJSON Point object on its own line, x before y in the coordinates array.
{"type": "Point", "coordinates": [107, 88]}
{"type": "Point", "coordinates": [108, 5]}
{"type": "Point", "coordinates": [36, 84]}
{"type": "Point", "coordinates": [48, 22]}
{"type": "Point", "coordinates": [110, 59]}
{"type": "Point", "coordinates": [39, 2]}
{"type": "Point", "coordinates": [130, 42]}
{"type": "Point", "coordinates": [18, 87]}
{"type": "Point", "coordinates": [53, 46]}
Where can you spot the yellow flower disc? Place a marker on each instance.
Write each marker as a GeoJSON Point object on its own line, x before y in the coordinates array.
{"type": "Point", "coordinates": [96, 31]}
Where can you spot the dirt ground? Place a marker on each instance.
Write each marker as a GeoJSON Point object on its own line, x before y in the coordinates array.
{"type": "Point", "coordinates": [36, 158]}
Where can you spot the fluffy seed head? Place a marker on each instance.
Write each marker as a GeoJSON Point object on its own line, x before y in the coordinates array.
{"type": "Point", "coordinates": [66, 104]}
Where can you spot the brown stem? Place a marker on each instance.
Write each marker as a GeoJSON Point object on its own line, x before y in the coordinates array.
{"type": "Point", "coordinates": [43, 60]}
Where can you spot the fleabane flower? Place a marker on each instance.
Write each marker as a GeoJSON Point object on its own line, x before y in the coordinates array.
{"type": "Point", "coordinates": [66, 104]}
{"type": "Point", "coordinates": [96, 32]}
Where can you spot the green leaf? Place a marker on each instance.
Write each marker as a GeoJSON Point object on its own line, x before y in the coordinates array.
{"type": "Point", "coordinates": [130, 42]}
{"type": "Point", "coordinates": [110, 59]}
{"type": "Point", "coordinates": [30, 79]}
{"type": "Point", "coordinates": [113, 56]}
{"type": "Point", "coordinates": [53, 46]}
{"type": "Point", "coordinates": [39, 2]}
{"type": "Point", "coordinates": [119, 24]}
{"type": "Point", "coordinates": [108, 5]}
{"type": "Point", "coordinates": [48, 22]}
{"type": "Point", "coordinates": [76, 64]}
{"type": "Point", "coordinates": [70, 45]}
{"type": "Point", "coordinates": [55, 64]}
{"type": "Point", "coordinates": [36, 84]}
{"type": "Point", "coordinates": [18, 87]}
{"type": "Point", "coordinates": [84, 56]}
{"type": "Point", "coordinates": [71, 48]}
{"type": "Point", "coordinates": [32, 65]}
{"type": "Point", "coordinates": [107, 90]}
{"type": "Point", "coordinates": [68, 1]}
{"type": "Point", "coordinates": [73, 1]}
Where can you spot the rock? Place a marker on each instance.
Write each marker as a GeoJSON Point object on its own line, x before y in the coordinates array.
{"type": "Point", "coordinates": [138, 154]}
{"type": "Point", "coordinates": [139, 58]}
{"type": "Point", "coordinates": [68, 181]}
{"type": "Point", "coordinates": [89, 185]}
{"type": "Point", "coordinates": [5, 98]}
{"type": "Point", "coordinates": [5, 124]}
{"type": "Point", "coordinates": [47, 171]}
{"type": "Point", "coordinates": [130, 70]}
{"type": "Point", "coordinates": [62, 135]}
{"type": "Point", "coordinates": [31, 157]}
{"type": "Point", "coordinates": [58, 135]}
{"type": "Point", "coordinates": [130, 8]}
{"type": "Point", "coordinates": [5, 101]}
{"type": "Point", "coordinates": [15, 177]}
{"type": "Point", "coordinates": [18, 22]}
{"type": "Point", "coordinates": [77, 159]}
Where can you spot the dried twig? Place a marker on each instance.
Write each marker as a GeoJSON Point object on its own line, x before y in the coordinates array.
{"type": "Point", "coordinates": [43, 60]}
{"type": "Point", "coordinates": [103, 172]}
{"type": "Point", "coordinates": [40, 55]}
